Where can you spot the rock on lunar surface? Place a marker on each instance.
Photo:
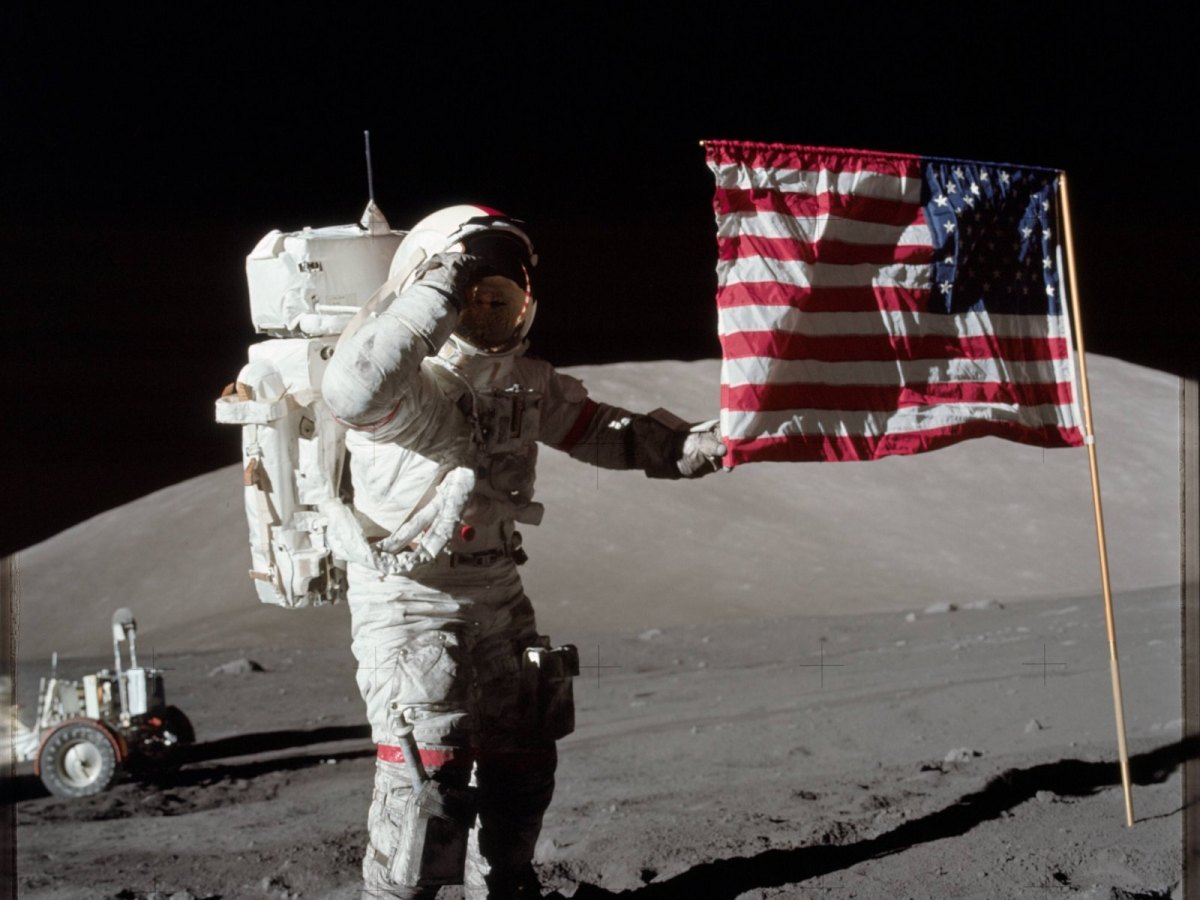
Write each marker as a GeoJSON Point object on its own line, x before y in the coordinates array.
{"type": "Point", "coordinates": [961, 755]}
{"type": "Point", "coordinates": [237, 667]}
{"type": "Point", "coordinates": [936, 608]}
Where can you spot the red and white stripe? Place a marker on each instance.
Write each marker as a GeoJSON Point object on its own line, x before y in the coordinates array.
{"type": "Point", "coordinates": [830, 352]}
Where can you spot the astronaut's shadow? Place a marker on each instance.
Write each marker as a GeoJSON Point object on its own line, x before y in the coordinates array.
{"type": "Point", "coordinates": [727, 878]}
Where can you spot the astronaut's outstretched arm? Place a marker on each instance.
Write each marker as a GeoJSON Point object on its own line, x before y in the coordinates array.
{"type": "Point", "coordinates": [373, 372]}
{"type": "Point", "coordinates": [659, 444]}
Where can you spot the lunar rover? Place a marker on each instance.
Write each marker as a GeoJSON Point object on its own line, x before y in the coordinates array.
{"type": "Point", "coordinates": [89, 731]}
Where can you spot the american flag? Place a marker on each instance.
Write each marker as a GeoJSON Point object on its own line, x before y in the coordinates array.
{"type": "Point", "coordinates": [878, 304]}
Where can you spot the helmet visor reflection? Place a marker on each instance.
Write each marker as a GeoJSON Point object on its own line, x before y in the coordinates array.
{"type": "Point", "coordinates": [495, 309]}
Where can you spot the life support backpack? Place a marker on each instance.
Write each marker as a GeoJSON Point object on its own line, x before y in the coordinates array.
{"type": "Point", "coordinates": [305, 288]}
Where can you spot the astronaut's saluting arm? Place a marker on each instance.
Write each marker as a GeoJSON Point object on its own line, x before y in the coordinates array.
{"type": "Point", "coordinates": [370, 379]}
{"type": "Point", "coordinates": [377, 370]}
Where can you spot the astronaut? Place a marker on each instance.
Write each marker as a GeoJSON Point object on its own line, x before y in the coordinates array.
{"type": "Point", "coordinates": [445, 413]}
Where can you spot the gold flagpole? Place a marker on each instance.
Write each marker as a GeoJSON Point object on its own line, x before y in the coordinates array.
{"type": "Point", "coordinates": [1090, 441]}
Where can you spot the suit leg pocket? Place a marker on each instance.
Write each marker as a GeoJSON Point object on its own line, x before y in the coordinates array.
{"type": "Point", "coordinates": [432, 846]}
{"type": "Point", "coordinates": [548, 674]}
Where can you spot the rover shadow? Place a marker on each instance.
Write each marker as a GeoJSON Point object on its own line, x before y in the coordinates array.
{"type": "Point", "coordinates": [270, 742]}
{"type": "Point", "coordinates": [727, 878]}
{"type": "Point", "coordinates": [190, 764]}
{"type": "Point", "coordinates": [193, 760]}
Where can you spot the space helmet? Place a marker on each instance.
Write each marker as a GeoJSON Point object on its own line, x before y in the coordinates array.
{"type": "Point", "coordinates": [500, 305]}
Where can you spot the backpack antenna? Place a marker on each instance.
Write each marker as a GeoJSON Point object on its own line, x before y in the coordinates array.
{"type": "Point", "coordinates": [370, 173]}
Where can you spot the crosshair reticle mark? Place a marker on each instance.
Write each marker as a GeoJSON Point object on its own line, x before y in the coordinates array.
{"type": "Point", "coordinates": [393, 664]}
{"type": "Point", "coordinates": [822, 665]}
{"type": "Point", "coordinates": [597, 442]}
{"type": "Point", "coordinates": [1044, 664]}
{"type": "Point", "coordinates": [597, 666]}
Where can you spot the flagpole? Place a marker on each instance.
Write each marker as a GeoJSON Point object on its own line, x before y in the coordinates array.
{"type": "Point", "coordinates": [1090, 441]}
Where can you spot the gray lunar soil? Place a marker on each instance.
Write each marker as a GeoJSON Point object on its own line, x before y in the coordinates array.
{"type": "Point", "coordinates": [834, 681]}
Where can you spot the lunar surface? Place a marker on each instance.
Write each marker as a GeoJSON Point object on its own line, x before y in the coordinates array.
{"type": "Point", "coordinates": [884, 680]}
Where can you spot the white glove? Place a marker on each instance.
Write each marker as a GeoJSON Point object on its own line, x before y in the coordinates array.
{"type": "Point", "coordinates": [452, 273]}
{"type": "Point", "coordinates": [421, 538]}
{"type": "Point", "coordinates": [702, 450]}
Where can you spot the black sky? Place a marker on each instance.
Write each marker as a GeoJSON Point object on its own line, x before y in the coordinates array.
{"type": "Point", "coordinates": [145, 156]}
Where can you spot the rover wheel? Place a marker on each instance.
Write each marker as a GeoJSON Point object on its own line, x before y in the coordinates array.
{"type": "Point", "coordinates": [180, 727]}
{"type": "Point", "coordinates": [160, 743]}
{"type": "Point", "coordinates": [77, 759]}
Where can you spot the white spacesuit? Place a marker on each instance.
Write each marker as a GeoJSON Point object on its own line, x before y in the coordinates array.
{"type": "Point", "coordinates": [446, 413]}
